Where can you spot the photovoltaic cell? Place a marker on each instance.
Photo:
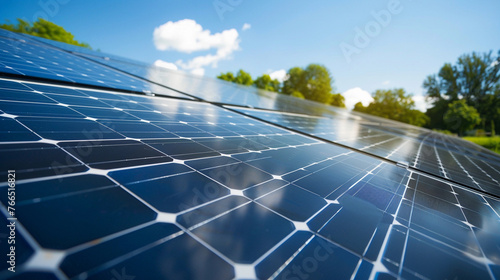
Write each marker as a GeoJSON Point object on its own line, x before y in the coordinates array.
{"type": "Point", "coordinates": [112, 185]}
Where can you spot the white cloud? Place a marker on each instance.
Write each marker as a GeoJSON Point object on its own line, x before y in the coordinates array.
{"type": "Point", "coordinates": [246, 26]}
{"type": "Point", "coordinates": [355, 95]}
{"type": "Point", "coordinates": [188, 36]}
{"type": "Point", "coordinates": [420, 103]}
{"type": "Point", "coordinates": [279, 75]}
{"type": "Point", "coordinates": [164, 64]}
{"type": "Point", "coordinates": [385, 83]}
{"type": "Point", "coordinates": [198, 71]}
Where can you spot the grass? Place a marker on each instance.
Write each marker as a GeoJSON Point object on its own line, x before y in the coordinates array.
{"type": "Point", "coordinates": [491, 143]}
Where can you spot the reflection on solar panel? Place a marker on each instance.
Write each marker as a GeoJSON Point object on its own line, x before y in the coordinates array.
{"type": "Point", "coordinates": [32, 60]}
{"type": "Point", "coordinates": [112, 183]}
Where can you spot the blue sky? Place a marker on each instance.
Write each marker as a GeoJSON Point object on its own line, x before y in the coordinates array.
{"type": "Point", "coordinates": [407, 41]}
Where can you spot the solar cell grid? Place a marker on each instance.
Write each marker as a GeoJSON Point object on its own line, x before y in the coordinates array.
{"type": "Point", "coordinates": [70, 48]}
{"type": "Point", "coordinates": [113, 185]}
{"type": "Point", "coordinates": [435, 157]}
{"type": "Point", "coordinates": [29, 60]}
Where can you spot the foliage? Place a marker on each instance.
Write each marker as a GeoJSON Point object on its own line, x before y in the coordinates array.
{"type": "Point", "coordinates": [265, 82]}
{"type": "Point", "coordinates": [444, 131]}
{"type": "Point", "coordinates": [294, 79]}
{"type": "Point", "coordinates": [492, 143]}
{"type": "Point", "coordinates": [461, 117]}
{"type": "Point", "coordinates": [226, 76]}
{"type": "Point", "coordinates": [242, 78]}
{"type": "Point", "coordinates": [338, 100]}
{"type": "Point", "coordinates": [297, 94]}
{"type": "Point", "coordinates": [359, 107]}
{"type": "Point", "coordinates": [474, 78]}
{"type": "Point", "coordinates": [314, 82]}
{"type": "Point", "coordinates": [416, 117]}
{"type": "Point", "coordinates": [394, 104]}
{"type": "Point", "coordinates": [45, 29]}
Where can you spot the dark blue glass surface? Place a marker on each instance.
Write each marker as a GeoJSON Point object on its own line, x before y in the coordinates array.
{"type": "Point", "coordinates": [237, 176]}
{"type": "Point", "coordinates": [293, 202]}
{"type": "Point", "coordinates": [246, 233]}
{"type": "Point", "coordinates": [102, 209]}
{"type": "Point", "coordinates": [14, 131]}
{"type": "Point", "coordinates": [114, 154]}
{"type": "Point", "coordinates": [182, 148]}
{"type": "Point", "coordinates": [209, 211]}
{"type": "Point", "coordinates": [278, 257]}
{"type": "Point", "coordinates": [68, 129]}
{"type": "Point", "coordinates": [34, 275]}
{"type": "Point", "coordinates": [177, 193]}
{"type": "Point", "coordinates": [320, 259]}
{"type": "Point", "coordinates": [264, 188]}
{"type": "Point", "coordinates": [97, 256]}
{"type": "Point", "coordinates": [180, 258]}
{"type": "Point", "coordinates": [148, 172]}
{"type": "Point", "coordinates": [44, 160]}
{"type": "Point", "coordinates": [23, 251]}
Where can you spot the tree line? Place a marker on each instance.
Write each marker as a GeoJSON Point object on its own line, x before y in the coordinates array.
{"type": "Point", "coordinates": [44, 29]}
{"type": "Point", "coordinates": [313, 82]}
{"type": "Point", "coordinates": [463, 96]}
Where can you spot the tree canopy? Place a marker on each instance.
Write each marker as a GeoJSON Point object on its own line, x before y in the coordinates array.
{"type": "Point", "coordinates": [474, 78]}
{"type": "Point", "coordinates": [242, 77]}
{"type": "Point", "coordinates": [394, 104]}
{"type": "Point", "coordinates": [338, 100]}
{"type": "Point", "coordinates": [314, 82]}
{"type": "Point", "coordinates": [45, 29]}
{"type": "Point", "coordinates": [226, 76]}
{"type": "Point", "coordinates": [265, 82]}
{"type": "Point", "coordinates": [461, 117]}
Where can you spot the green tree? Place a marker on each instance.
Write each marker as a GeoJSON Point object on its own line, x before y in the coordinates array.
{"type": "Point", "coordinates": [294, 80]}
{"type": "Point", "coordinates": [314, 82]}
{"type": "Point", "coordinates": [226, 76]}
{"type": "Point", "coordinates": [243, 78]}
{"type": "Point", "coordinates": [394, 104]}
{"type": "Point", "coordinates": [297, 94]}
{"type": "Point", "coordinates": [338, 100]}
{"type": "Point", "coordinates": [359, 107]}
{"type": "Point", "coordinates": [45, 29]}
{"type": "Point", "coordinates": [475, 78]}
{"type": "Point", "coordinates": [461, 117]}
{"type": "Point", "coordinates": [416, 117]}
{"type": "Point", "coordinates": [265, 82]}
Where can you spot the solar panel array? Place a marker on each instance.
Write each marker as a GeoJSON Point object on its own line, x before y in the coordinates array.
{"type": "Point", "coordinates": [129, 171]}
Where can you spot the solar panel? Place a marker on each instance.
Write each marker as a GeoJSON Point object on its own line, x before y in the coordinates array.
{"type": "Point", "coordinates": [424, 150]}
{"type": "Point", "coordinates": [201, 87]}
{"type": "Point", "coordinates": [23, 58]}
{"type": "Point", "coordinates": [116, 185]}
